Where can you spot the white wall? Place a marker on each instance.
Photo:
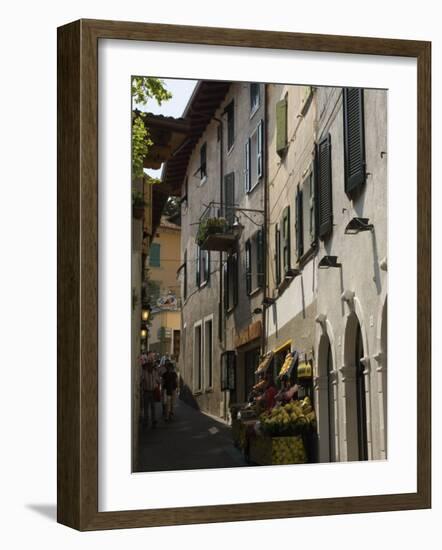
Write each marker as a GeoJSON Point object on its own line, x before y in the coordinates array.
{"type": "Point", "coordinates": [28, 351]}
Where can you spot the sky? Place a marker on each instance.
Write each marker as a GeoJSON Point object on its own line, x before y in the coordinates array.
{"type": "Point", "coordinates": [181, 91]}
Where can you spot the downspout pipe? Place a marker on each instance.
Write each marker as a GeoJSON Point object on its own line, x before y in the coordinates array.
{"type": "Point", "coordinates": [266, 224]}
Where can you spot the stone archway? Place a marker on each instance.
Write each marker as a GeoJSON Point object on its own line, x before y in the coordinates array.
{"type": "Point", "coordinates": [355, 377]}
{"type": "Point", "coordinates": [327, 402]}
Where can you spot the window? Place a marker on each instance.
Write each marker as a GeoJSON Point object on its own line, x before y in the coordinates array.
{"type": "Point", "coordinates": [281, 127]}
{"type": "Point", "coordinates": [354, 139]}
{"type": "Point", "coordinates": [277, 255]}
{"type": "Point", "coordinates": [229, 197]}
{"type": "Point", "coordinates": [202, 266]}
{"type": "Point", "coordinates": [185, 276]}
{"type": "Point", "coordinates": [230, 111]}
{"type": "Point", "coordinates": [248, 266]}
{"type": "Point", "coordinates": [203, 161]}
{"type": "Point", "coordinates": [255, 98]}
{"type": "Point", "coordinates": [228, 371]}
{"type": "Point", "coordinates": [231, 282]}
{"type": "Point", "coordinates": [197, 359]}
{"type": "Point", "coordinates": [285, 238]}
{"type": "Point", "coordinates": [208, 353]}
{"type": "Point", "coordinates": [254, 260]}
{"type": "Point", "coordinates": [154, 255]}
{"type": "Point", "coordinates": [324, 175]}
{"type": "Point", "coordinates": [299, 224]}
{"type": "Point", "coordinates": [253, 169]}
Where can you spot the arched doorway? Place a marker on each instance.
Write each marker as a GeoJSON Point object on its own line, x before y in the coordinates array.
{"type": "Point", "coordinates": [327, 402]}
{"type": "Point", "coordinates": [355, 391]}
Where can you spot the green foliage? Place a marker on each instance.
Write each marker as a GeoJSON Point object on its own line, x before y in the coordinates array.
{"type": "Point", "coordinates": [210, 226]}
{"type": "Point", "coordinates": [143, 88]}
{"type": "Point", "coordinates": [137, 199]}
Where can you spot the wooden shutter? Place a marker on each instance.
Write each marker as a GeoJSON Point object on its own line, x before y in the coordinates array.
{"type": "Point", "coordinates": [203, 161]}
{"type": "Point", "coordinates": [312, 207]}
{"type": "Point", "coordinates": [260, 258]}
{"type": "Point", "coordinates": [226, 285]}
{"type": "Point", "coordinates": [248, 249]}
{"type": "Point", "coordinates": [324, 187]}
{"type": "Point", "coordinates": [229, 196]}
{"type": "Point", "coordinates": [155, 255]}
{"type": "Point", "coordinates": [259, 158]}
{"type": "Point", "coordinates": [230, 125]}
{"type": "Point", "coordinates": [299, 224]}
{"type": "Point", "coordinates": [185, 276]}
{"type": "Point", "coordinates": [235, 278]}
{"type": "Point", "coordinates": [277, 255]}
{"type": "Point", "coordinates": [354, 141]}
{"type": "Point", "coordinates": [247, 183]}
{"type": "Point", "coordinates": [198, 266]}
{"type": "Point", "coordinates": [281, 126]}
{"type": "Point", "coordinates": [285, 238]}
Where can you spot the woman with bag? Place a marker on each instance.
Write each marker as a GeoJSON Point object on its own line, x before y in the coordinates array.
{"type": "Point", "coordinates": [150, 385]}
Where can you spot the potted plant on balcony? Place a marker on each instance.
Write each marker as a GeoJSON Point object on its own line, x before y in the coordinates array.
{"type": "Point", "coordinates": [137, 205]}
{"type": "Point", "coordinates": [211, 226]}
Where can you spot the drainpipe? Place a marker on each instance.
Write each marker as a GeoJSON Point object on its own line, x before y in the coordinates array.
{"type": "Point", "coordinates": [266, 218]}
{"type": "Point", "coordinates": [221, 201]}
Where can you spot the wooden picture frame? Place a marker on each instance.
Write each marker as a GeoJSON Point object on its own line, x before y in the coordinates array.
{"type": "Point", "coordinates": [77, 457]}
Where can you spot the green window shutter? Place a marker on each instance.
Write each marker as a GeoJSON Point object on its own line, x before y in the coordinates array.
{"type": "Point", "coordinates": [312, 207]}
{"type": "Point", "coordinates": [229, 196]}
{"type": "Point", "coordinates": [324, 187]}
{"type": "Point", "coordinates": [198, 266]}
{"type": "Point", "coordinates": [299, 224]}
{"type": "Point", "coordinates": [354, 139]}
{"type": "Point", "coordinates": [285, 238]}
{"type": "Point", "coordinates": [155, 255]}
{"type": "Point", "coordinates": [226, 285]}
{"type": "Point", "coordinates": [248, 249]}
{"type": "Point", "coordinates": [281, 126]}
{"type": "Point", "coordinates": [185, 276]}
{"type": "Point", "coordinates": [260, 149]}
{"type": "Point", "coordinates": [260, 258]}
{"type": "Point", "coordinates": [277, 255]}
{"type": "Point", "coordinates": [247, 181]}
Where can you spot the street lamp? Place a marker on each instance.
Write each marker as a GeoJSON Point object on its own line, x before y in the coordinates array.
{"type": "Point", "coordinates": [145, 313]}
{"type": "Point", "coordinates": [143, 334]}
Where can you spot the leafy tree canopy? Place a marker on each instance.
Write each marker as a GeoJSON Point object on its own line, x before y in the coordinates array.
{"type": "Point", "coordinates": [143, 88]}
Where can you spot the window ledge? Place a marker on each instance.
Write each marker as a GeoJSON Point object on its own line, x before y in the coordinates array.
{"type": "Point", "coordinates": [209, 390]}
{"type": "Point", "coordinates": [255, 185]}
{"type": "Point", "coordinates": [202, 285]}
{"type": "Point", "coordinates": [254, 292]}
{"type": "Point", "coordinates": [203, 180]}
{"type": "Point", "coordinates": [198, 392]}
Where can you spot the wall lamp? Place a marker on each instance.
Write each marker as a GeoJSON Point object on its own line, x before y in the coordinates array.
{"type": "Point", "coordinates": [329, 261]}
{"type": "Point", "coordinates": [268, 301]}
{"type": "Point", "coordinates": [356, 225]}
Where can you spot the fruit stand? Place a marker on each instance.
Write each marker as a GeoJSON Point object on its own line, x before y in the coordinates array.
{"type": "Point", "coordinates": [280, 436]}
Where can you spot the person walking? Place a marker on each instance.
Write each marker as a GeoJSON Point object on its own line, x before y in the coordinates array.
{"type": "Point", "coordinates": [150, 384]}
{"type": "Point", "coordinates": [170, 384]}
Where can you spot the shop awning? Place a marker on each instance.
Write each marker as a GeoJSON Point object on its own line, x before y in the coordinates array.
{"type": "Point", "coordinates": [263, 366]}
{"type": "Point", "coordinates": [282, 347]}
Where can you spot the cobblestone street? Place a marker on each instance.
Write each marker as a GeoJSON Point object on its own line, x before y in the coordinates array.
{"type": "Point", "coordinates": [191, 441]}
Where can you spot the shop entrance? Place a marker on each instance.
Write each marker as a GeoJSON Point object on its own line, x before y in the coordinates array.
{"type": "Point", "coordinates": [355, 392]}
{"type": "Point", "coordinates": [327, 405]}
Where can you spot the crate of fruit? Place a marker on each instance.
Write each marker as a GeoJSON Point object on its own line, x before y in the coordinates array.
{"type": "Point", "coordinates": [266, 451]}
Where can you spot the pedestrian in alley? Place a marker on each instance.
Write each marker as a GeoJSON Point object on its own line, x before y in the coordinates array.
{"type": "Point", "coordinates": [161, 369]}
{"type": "Point", "coordinates": [151, 385]}
{"type": "Point", "coordinates": [170, 384]}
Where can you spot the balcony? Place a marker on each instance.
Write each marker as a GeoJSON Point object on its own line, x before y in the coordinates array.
{"type": "Point", "coordinates": [218, 228]}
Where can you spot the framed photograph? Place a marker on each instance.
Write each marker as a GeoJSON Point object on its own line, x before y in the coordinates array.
{"type": "Point", "coordinates": [243, 275]}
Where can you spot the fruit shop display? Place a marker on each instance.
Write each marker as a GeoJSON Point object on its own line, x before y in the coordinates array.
{"type": "Point", "coordinates": [294, 418]}
{"type": "Point", "coordinates": [286, 365]}
{"type": "Point", "coordinates": [278, 450]}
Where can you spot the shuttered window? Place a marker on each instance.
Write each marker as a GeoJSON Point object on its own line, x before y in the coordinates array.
{"type": "Point", "coordinates": [231, 282]}
{"type": "Point", "coordinates": [324, 199]}
{"type": "Point", "coordinates": [259, 156]}
{"type": "Point", "coordinates": [281, 127]}
{"type": "Point", "coordinates": [203, 161]}
{"type": "Point", "coordinates": [277, 255]}
{"type": "Point", "coordinates": [185, 276]}
{"type": "Point", "coordinates": [155, 255]}
{"type": "Point", "coordinates": [229, 197]}
{"type": "Point", "coordinates": [260, 258]}
{"type": "Point", "coordinates": [202, 266]}
{"type": "Point", "coordinates": [248, 259]}
{"type": "Point", "coordinates": [285, 238]}
{"type": "Point", "coordinates": [299, 224]}
{"type": "Point", "coordinates": [354, 141]}
{"type": "Point", "coordinates": [247, 178]}
{"type": "Point", "coordinates": [198, 267]}
{"type": "Point", "coordinates": [230, 125]}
